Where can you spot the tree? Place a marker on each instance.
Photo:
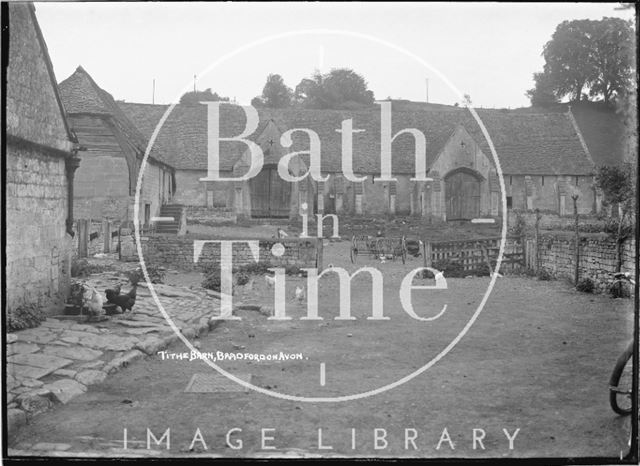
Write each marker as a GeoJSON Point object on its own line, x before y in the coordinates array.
{"type": "Point", "coordinates": [193, 97]}
{"type": "Point", "coordinates": [543, 93]}
{"type": "Point", "coordinates": [585, 58]}
{"type": "Point", "coordinates": [612, 57]}
{"type": "Point", "coordinates": [276, 94]}
{"type": "Point", "coordinates": [341, 88]}
{"type": "Point", "coordinates": [617, 188]}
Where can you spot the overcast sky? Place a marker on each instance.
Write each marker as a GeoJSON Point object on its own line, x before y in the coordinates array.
{"type": "Point", "coordinates": [489, 51]}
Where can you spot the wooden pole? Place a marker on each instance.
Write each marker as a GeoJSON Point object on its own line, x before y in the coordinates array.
{"type": "Point", "coordinates": [427, 254]}
{"type": "Point", "coordinates": [83, 238]}
{"type": "Point", "coordinates": [537, 239]}
{"type": "Point", "coordinates": [106, 235]}
{"type": "Point", "coordinates": [576, 255]}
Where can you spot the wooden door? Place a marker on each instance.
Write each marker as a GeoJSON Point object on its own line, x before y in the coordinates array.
{"type": "Point", "coordinates": [462, 196]}
{"type": "Point", "coordinates": [270, 194]}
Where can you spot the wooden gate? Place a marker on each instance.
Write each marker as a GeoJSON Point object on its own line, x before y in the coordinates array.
{"type": "Point", "coordinates": [270, 194]}
{"type": "Point", "coordinates": [462, 195]}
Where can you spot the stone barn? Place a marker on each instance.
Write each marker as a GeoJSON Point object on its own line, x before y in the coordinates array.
{"type": "Point", "coordinates": [40, 164]}
{"type": "Point", "coordinates": [543, 158]}
{"type": "Point", "coordinates": [112, 149]}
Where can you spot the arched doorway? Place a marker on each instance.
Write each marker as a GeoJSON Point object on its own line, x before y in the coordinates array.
{"type": "Point", "coordinates": [270, 194]}
{"type": "Point", "coordinates": [462, 194]}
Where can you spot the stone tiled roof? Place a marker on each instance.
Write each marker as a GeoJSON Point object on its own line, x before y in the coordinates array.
{"type": "Point", "coordinates": [530, 144]}
{"type": "Point", "coordinates": [81, 95]}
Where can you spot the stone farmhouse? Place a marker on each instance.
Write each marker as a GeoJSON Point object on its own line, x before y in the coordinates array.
{"type": "Point", "coordinates": [40, 164]}
{"type": "Point", "coordinates": [112, 150]}
{"type": "Point", "coordinates": [543, 156]}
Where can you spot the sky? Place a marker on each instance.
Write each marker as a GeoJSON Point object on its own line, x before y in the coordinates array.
{"type": "Point", "coordinates": [488, 51]}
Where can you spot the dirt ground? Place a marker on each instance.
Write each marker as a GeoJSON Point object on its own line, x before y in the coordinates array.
{"type": "Point", "coordinates": [537, 359]}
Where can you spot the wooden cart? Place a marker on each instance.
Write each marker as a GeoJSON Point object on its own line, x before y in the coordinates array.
{"type": "Point", "coordinates": [378, 247]}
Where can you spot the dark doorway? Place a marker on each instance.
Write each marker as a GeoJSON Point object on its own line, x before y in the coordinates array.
{"type": "Point", "coordinates": [462, 195]}
{"type": "Point", "coordinates": [270, 194]}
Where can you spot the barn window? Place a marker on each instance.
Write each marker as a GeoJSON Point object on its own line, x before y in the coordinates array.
{"type": "Point", "coordinates": [509, 202]}
{"type": "Point", "coordinates": [510, 180]}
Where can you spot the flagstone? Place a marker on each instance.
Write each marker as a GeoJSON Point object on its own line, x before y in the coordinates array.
{"type": "Point", "coordinates": [21, 348]}
{"type": "Point", "coordinates": [30, 372]}
{"type": "Point", "coordinates": [64, 390]}
{"type": "Point", "coordinates": [91, 377]}
{"type": "Point", "coordinates": [66, 373]}
{"type": "Point", "coordinates": [40, 360]}
{"type": "Point", "coordinates": [80, 353]}
{"type": "Point", "coordinates": [38, 335]}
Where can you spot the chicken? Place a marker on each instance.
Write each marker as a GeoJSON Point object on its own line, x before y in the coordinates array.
{"type": "Point", "coordinates": [300, 294]}
{"type": "Point", "coordinates": [271, 281]}
{"type": "Point", "coordinates": [92, 301]}
{"type": "Point", "coordinates": [126, 300]}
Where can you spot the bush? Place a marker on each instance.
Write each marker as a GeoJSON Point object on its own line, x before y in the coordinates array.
{"type": "Point", "coordinates": [83, 268]}
{"type": "Point", "coordinates": [618, 289]}
{"type": "Point", "coordinates": [545, 274]}
{"type": "Point", "coordinates": [25, 316]}
{"type": "Point", "coordinates": [156, 274]}
{"type": "Point", "coordinates": [586, 285]}
{"type": "Point", "coordinates": [450, 269]}
{"type": "Point", "coordinates": [242, 278]}
{"type": "Point", "coordinates": [212, 280]}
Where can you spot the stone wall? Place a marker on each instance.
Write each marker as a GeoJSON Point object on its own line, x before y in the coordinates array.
{"type": "Point", "coordinates": [177, 252]}
{"type": "Point", "coordinates": [201, 215]}
{"type": "Point", "coordinates": [597, 257]}
{"type": "Point", "coordinates": [38, 247]}
{"type": "Point", "coordinates": [36, 188]}
{"type": "Point", "coordinates": [553, 221]}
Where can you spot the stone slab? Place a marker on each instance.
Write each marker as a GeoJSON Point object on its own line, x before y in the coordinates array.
{"type": "Point", "coordinates": [22, 371]}
{"type": "Point", "coordinates": [65, 389]}
{"type": "Point", "coordinates": [91, 377]}
{"type": "Point", "coordinates": [77, 353]}
{"type": "Point", "coordinates": [21, 348]}
{"type": "Point", "coordinates": [43, 361]}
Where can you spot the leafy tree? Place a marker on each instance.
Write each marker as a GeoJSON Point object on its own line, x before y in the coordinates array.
{"type": "Point", "coordinates": [257, 102]}
{"type": "Point", "coordinates": [616, 184]}
{"type": "Point", "coordinates": [341, 88]}
{"type": "Point", "coordinates": [193, 97]}
{"type": "Point", "coordinates": [276, 94]}
{"type": "Point", "coordinates": [543, 93]}
{"type": "Point", "coordinates": [585, 58]}
{"type": "Point", "coordinates": [612, 56]}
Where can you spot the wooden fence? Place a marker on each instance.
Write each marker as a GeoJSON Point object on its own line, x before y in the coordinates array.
{"type": "Point", "coordinates": [476, 254]}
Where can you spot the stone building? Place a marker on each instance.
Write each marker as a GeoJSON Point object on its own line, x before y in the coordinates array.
{"type": "Point", "coordinates": [543, 157]}
{"type": "Point", "coordinates": [40, 165]}
{"type": "Point", "coordinates": [112, 150]}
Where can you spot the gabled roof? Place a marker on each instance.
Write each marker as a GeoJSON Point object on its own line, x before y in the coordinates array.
{"type": "Point", "coordinates": [23, 60]}
{"type": "Point", "coordinates": [82, 96]}
{"type": "Point", "coordinates": [531, 144]}
{"type": "Point", "coordinates": [602, 128]}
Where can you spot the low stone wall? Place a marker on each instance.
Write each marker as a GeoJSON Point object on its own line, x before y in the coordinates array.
{"type": "Point", "coordinates": [178, 252]}
{"type": "Point", "coordinates": [202, 215]}
{"type": "Point", "coordinates": [596, 258]}
{"type": "Point", "coordinates": [553, 221]}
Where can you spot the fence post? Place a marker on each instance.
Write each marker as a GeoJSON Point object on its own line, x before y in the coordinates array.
{"type": "Point", "coordinates": [427, 253]}
{"type": "Point", "coordinates": [537, 238]}
{"type": "Point", "coordinates": [83, 238]}
{"type": "Point", "coordinates": [319, 251]}
{"type": "Point", "coordinates": [106, 235]}
{"type": "Point", "coordinates": [576, 255]}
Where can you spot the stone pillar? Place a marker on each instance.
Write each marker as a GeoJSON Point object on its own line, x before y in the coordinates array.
{"type": "Point", "coordinates": [320, 197]}
{"type": "Point", "coordinates": [359, 197]}
{"type": "Point", "coordinates": [339, 185]}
